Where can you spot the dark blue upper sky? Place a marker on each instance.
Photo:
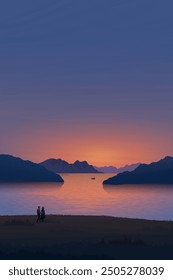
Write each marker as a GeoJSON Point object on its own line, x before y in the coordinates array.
{"type": "Point", "coordinates": [71, 68]}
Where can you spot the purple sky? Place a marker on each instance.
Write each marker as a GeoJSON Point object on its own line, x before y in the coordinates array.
{"type": "Point", "coordinates": [86, 80]}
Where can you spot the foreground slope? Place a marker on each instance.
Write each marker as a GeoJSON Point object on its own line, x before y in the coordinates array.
{"type": "Point", "coordinates": [84, 237]}
{"type": "Point", "coordinates": [14, 169]}
{"type": "Point", "coordinates": [160, 172]}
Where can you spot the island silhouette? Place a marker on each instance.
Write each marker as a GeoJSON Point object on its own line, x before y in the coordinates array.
{"type": "Point", "coordinates": [160, 172]}
{"type": "Point", "coordinates": [62, 166]}
{"type": "Point", "coordinates": [14, 169]}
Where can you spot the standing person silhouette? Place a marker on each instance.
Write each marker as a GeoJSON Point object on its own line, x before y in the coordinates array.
{"type": "Point", "coordinates": [43, 214]}
{"type": "Point", "coordinates": [38, 214]}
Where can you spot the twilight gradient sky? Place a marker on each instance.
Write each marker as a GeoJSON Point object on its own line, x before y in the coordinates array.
{"type": "Point", "coordinates": [89, 80]}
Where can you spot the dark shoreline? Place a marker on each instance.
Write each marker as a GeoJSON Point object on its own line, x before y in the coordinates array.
{"type": "Point", "coordinates": [84, 237]}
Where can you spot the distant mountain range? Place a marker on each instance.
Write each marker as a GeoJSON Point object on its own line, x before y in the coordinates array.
{"type": "Point", "coordinates": [113, 169]}
{"type": "Point", "coordinates": [13, 169]}
{"type": "Point", "coordinates": [62, 166]}
{"type": "Point", "coordinates": [160, 172]}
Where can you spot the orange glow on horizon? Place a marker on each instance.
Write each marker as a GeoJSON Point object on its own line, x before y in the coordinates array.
{"type": "Point", "coordinates": [106, 145]}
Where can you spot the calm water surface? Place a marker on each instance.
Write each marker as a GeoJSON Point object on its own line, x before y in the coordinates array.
{"type": "Point", "coordinates": [79, 195]}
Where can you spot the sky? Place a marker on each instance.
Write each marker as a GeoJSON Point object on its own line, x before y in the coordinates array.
{"type": "Point", "coordinates": [88, 80]}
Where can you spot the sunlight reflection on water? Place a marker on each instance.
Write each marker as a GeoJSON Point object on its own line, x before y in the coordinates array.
{"type": "Point", "coordinates": [82, 196]}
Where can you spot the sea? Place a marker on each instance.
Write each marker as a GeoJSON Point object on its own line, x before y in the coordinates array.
{"type": "Point", "coordinates": [84, 194]}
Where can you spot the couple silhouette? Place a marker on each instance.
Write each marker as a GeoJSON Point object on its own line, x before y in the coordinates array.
{"type": "Point", "coordinates": [40, 214]}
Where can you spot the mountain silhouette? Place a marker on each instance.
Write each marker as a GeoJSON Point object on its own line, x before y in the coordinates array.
{"type": "Point", "coordinates": [114, 169]}
{"type": "Point", "coordinates": [62, 166]}
{"type": "Point", "coordinates": [14, 169]}
{"type": "Point", "coordinates": [160, 172]}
